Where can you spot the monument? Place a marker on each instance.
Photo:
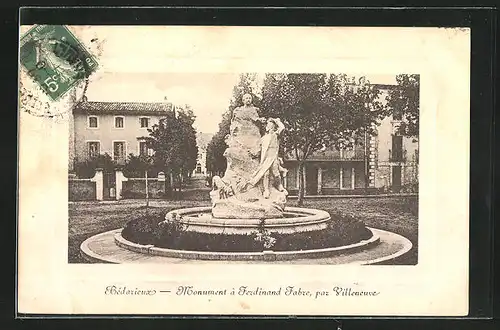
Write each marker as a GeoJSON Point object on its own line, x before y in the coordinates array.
{"type": "Point", "coordinates": [251, 193]}
{"type": "Point", "coordinates": [249, 201]}
{"type": "Point", "coordinates": [252, 186]}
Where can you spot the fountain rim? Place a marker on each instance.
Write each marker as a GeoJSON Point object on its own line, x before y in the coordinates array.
{"type": "Point", "coordinates": [306, 216]}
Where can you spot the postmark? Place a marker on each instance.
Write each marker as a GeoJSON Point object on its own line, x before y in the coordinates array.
{"type": "Point", "coordinates": [55, 59]}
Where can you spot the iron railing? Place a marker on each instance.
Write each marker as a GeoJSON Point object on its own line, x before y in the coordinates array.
{"type": "Point", "coordinates": [356, 154]}
{"type": "Point", "coordinates": [397, 155]}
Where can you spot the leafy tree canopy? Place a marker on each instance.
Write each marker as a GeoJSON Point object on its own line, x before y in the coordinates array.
{"type": "Point", "coordinates": [173, 141]}
{"type": "Point", "coordinates": [403, 103]}
{"type": "Point", "coordinates": [320, 110]}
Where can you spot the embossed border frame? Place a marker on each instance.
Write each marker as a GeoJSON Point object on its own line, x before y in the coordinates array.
{"type": "Point", "coordinates": [482, 21]}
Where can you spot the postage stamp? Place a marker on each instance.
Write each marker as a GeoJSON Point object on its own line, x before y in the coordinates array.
{"type": "Point", "coordinates": [55, 59]}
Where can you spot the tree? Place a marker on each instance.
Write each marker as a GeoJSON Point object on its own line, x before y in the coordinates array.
{"type": "Point", "coordinates": [403, 104]}
{"type": "Point", "coordinates": [173, 141]}
{"type": "Point", "coordinates": [136, 166]}
{"type": "Point", "coordinates": [86, 169]}
{"type": "Point", "coordinates": [139, 167]}
{"type": "Point", "coordinates": [215, 161]}
{"type": "Point", "coordinates": [319, 111]}
{"type": "Point", "coordinates": [188, 160]}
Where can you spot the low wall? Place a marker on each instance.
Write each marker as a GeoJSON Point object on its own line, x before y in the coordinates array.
{"type": "Point", "coordinates": [336, 191]}
{"type": "Point", "coordinates": [359, 191]}
{"type": "Point", "coordinates": [136, 188]}
{"type": "Point", "coordinates": [81, 190]}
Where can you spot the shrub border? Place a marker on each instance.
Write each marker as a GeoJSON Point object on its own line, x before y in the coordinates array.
{"type": "Point", "coordinates": [247, 256]}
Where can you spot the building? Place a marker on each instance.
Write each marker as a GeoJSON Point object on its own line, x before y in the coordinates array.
{"type": "Point", "coordinates": [386, 161]}
{"type": "Point", "coordinates": [393, 158]}
{"type": "Point", "coordinates": [201, 167]}
{"type": "Point", "coordinates": [115, 128]}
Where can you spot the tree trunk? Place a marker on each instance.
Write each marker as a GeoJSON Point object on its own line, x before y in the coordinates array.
{"type": "Point", "coordinates": [181, 179]}
{"type": "Point", "coordinates": [300, 200]}
{"type": "Point", "coordinates": [172, 185]}
{"type": "Point", "coordinates": [365, 160]}
{"type": "Point", "coordinates": [147, 191]}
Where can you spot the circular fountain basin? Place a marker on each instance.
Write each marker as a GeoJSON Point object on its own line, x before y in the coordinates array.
{"type": "Point", "coordinates": [295, 219]}
{"type": "Point", "coordinates": [267, 255]}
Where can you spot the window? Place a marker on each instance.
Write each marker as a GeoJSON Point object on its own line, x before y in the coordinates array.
{"type": "Point", "coordinates": [119, 151]}
{"type": "Point", "coordinates": [118, 122]}
{"type": "Point", "coordinates": [143, 148]}
{"type": "Point", "coordinates": [144, 122]}
{"type": "Point", "coordinates": [93, 122]}
{"type": "Point", "coordinates": [93, 149]}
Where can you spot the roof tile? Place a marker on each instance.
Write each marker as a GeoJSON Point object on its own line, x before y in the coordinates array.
{"type": "Point", "coordinates": [97, 107]}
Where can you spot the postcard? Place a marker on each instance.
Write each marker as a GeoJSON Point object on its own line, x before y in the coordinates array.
{"type": "Point", "coordinates": [224, 170]}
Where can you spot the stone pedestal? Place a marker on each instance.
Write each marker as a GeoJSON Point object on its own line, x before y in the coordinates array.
{"type": "Point", "coordinates": [233, 208]}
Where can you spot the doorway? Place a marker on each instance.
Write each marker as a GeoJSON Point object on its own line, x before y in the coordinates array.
{"type": "Point", "coordinates": [396, 178]}
{"type": "Point", "coordinates": [397, 148]}
{"type": "Point", "coordinates": [311, 180]}
{"type": "Point", "coordinates": [109, 185]}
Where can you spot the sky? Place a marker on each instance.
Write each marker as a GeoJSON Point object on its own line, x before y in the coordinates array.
{"type": "Point", "coordinates": [200, 65]}
{"type": "Point", "coordinates": [207, 93]}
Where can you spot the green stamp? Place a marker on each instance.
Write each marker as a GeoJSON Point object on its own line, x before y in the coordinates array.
{"type": "Point", "coordinates": [55, 59]}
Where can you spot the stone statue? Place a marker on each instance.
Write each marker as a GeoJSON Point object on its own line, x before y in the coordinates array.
{"type": "Point", "coordinates": [252, 186]}
{"type": "Point", "coordinates": [270, 170]}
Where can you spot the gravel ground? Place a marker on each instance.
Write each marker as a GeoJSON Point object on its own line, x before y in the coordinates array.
{"type": "Point", "coordinates": [396, 214]}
